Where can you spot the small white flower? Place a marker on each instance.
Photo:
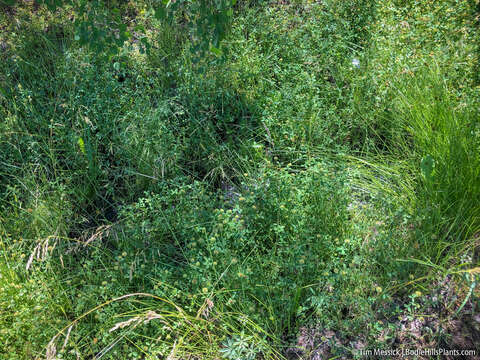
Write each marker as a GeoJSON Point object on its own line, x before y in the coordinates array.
{"type": "Point", "coordinates": [356, 63]}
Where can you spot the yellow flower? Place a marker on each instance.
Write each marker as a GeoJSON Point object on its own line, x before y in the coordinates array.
{"type": "Point", "coordinates": [204, 290]}
{"type": "Point", "coordinates": [378, 289]}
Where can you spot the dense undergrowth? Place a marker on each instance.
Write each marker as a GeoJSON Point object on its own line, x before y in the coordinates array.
{"type": "Point", "coordinates": [313, 192]}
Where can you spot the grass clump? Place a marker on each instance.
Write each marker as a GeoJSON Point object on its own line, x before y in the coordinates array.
{"type": "Point", "coordinates": [444, 143]}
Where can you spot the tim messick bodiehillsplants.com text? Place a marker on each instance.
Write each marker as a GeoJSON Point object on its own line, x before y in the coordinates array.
{"type": "Point", "coordinates": [417, 352]}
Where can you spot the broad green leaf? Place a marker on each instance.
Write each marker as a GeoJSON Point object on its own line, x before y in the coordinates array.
{"type": "Point", "coordinates": [216, 51]}
{"type": "Point", "coordinates": [426, 165]}
{"type": "Point", "coordinates": [81, 144]}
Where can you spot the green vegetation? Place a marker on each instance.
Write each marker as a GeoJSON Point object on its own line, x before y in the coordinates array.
{"type": "Point", "coordinates": [308, 188]}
